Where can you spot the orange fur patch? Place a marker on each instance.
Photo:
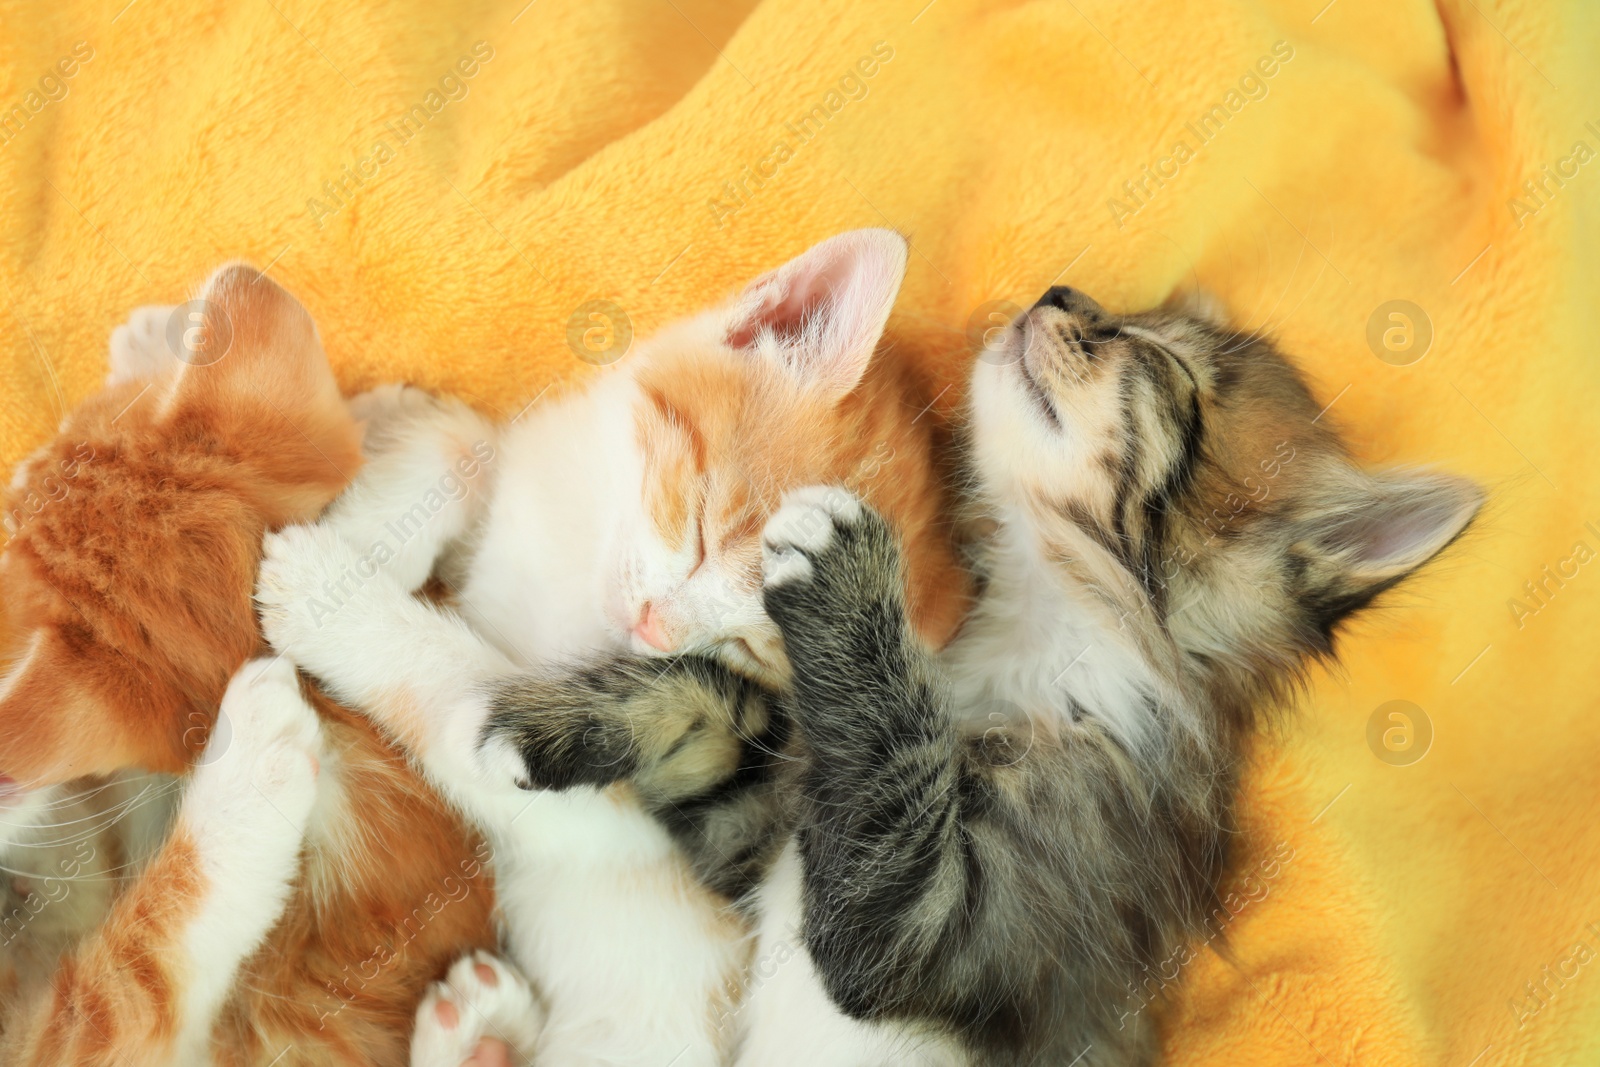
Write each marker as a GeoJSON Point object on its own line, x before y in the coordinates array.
{"type": "Point", "coordinates": [726, 435]}
{"type": "Point", "coordinates": [127, 586]}
{"type": "Point", "coordinates": [113, 999]}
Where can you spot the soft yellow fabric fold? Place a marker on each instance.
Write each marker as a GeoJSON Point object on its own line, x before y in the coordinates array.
{"type": "Point", "coordinates": [1430, 910]}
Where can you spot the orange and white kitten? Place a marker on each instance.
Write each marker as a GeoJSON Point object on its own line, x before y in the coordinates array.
{"type": "Point", "coordinates": [625, 517]}
{"type": "Point", "coordinates": [311, 886]}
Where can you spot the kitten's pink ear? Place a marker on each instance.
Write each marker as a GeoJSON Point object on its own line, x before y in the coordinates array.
{"type": "Point", "coordinates": [1368, 533]}
{"type": "Point", "coordinates": [1407, 519]}
{"type": "Point", "coordinates": [822, 313]}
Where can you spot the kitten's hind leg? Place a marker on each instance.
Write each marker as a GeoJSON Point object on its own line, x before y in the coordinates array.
{"type": "Point", "coordinates": [246, 811]}
{"type": "Point", "coordinates": [202, 904]}
{"type": "Point", "coordinates": [481, 998]}
{"type": "Point", "coordinates": [413, 668]}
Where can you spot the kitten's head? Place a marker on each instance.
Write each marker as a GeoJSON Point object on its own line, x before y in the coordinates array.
{"type": "Point", "coordinates": [1184, 474]}
{"type": "Point", "coordinates": [775, 390]}
{"type": "Point", "coordinates": [135, 534]}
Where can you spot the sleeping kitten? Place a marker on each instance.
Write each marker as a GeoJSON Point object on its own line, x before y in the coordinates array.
{"type": "Point", "coordinates": [312, 886]}
{"type": "Point", "coordinates": [990, 849]}
{"type": "Point", "coordinates": [625, 517]}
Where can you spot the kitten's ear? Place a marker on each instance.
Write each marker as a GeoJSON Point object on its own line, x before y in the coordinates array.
{"type": "Point", "coordinates": [256, 377]}
{"type": "Point", "coordinates": [1200, 304]}
{"type": "Point", "coordinates": [822, 313]}
{"type": "Point", "coordinates": [245, 335]}
{"type": "Point", "coordinates": [1367, 535]}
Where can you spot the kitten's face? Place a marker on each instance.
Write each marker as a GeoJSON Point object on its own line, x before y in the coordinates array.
{"type": "Point", "coordinates": [1124, 418]}
{"type": "Point", "coordinates": [737, 406]}
{"type": "Point", "coordinates": [690, 577]}
{"type": "Point", "coordinates": [135, 536]}
{"type": "Point", "coordinates": [1185, 471]}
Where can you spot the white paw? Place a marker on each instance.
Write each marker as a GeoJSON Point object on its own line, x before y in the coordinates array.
{"type": "Point", "coordinates": [310, 582]}
{"type": "Point", "coordinates": [803, 527]}
{"type": "Point", "coordinates": [257, 779]}
{"type": "Point", "coordinates": [384, 402]}
{"type": "Point", "coordinates": [244, 815]}
{"type": "Point", "coordinates": [387, 409]}
{"type": "Point", "coordinates": [139, 349]}
{"type": "Point", "coordinates": [480, 998]}
{"type": "Point", "coordinates": [394, 414]}
{"type": "Point", "coordinates": [422, 487]}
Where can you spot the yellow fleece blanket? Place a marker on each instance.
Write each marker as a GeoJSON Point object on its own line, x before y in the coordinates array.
{"type": "Point", "coordinates": [1404, 192]}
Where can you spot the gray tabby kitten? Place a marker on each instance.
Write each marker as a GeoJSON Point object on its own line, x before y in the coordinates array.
{"type": "Point", "coordinates": [989, 849]}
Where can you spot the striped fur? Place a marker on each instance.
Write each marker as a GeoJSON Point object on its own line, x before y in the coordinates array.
{"type": "Point", "coordinates": [700, 745]}
{"type": "Point", "coordinates": [127, 612]}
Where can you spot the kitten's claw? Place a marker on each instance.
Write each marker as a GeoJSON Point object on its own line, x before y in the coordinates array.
{"type": "Point", "coordinates": [480, 998]}
{"type": "Point", "coordinates": [803, 529]}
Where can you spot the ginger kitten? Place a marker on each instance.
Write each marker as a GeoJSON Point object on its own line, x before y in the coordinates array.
{"type": "Point", "coordinates": [128, 593]}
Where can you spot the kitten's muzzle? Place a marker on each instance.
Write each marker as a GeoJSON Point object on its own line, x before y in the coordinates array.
{"type": "Point", "coordinates": [1072, 301]}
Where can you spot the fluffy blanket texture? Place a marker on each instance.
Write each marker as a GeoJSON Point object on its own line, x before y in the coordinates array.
{"type": "Point", "coordinates": [447, 186]}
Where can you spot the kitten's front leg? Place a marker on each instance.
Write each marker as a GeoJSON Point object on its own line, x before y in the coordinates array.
{"type": "Point", "coordinates": [700, 745]}
{"type": "Point", "coordinates": [937, 887]}
{"type": "Point", "coordinates": [424, 483]}
{"type": "Point", "coordinates": [834, 584]}
{"type": "Point", "coordinates": [673, 727]}
{"type": "Point", "coordinates": [204, 902]}
{"type": "Point", "coordinates": [414, 668]}
{"type": "Point", "coordinates": [879, 821]}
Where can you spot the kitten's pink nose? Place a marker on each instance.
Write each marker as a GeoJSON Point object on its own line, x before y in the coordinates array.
{"type": "Point", "coordinates": [650, 630]}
